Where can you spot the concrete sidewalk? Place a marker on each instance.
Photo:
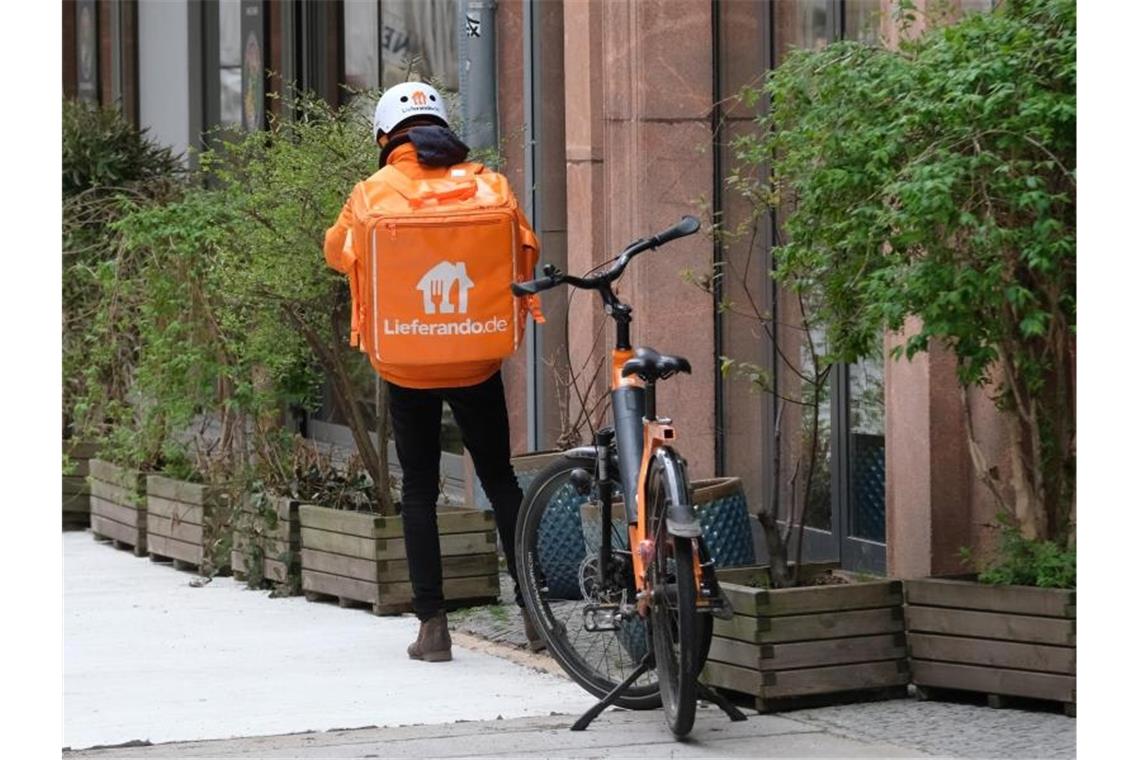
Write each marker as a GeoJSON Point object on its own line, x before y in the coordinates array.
{"type": "Point", "coordinates": [614, 734]}
{"type": "Point", "coordinates": [149, 657]}
{"type": "Point", "coordinates": [221, 671]}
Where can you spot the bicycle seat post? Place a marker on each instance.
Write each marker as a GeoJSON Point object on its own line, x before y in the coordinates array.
{"type": "Point", "coordinates": [650, 400]}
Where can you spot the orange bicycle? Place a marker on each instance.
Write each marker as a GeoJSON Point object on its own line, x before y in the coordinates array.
{"type": "Point", "coordinates": [623, 597]}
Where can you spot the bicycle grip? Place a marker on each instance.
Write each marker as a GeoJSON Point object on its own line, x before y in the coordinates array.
{"type": "Point", "coordinates": [530, 287]}
{"type": "Point", "coordinates": [687, 226]}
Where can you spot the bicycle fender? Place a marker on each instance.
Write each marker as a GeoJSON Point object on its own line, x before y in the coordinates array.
{"type": "Point", "coordinates": [681, 518]}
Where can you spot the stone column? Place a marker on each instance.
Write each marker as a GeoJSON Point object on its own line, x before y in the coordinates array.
{"type": "Point", "coordinates": [586, 205]}
{"type": "Point", "coordinates": [639, 94]}
{"type": "Point", "coordinates": [935, 503]}
{"type": "Point", "coordinates": [512, 116]}
{"type": "Point", "coordinates": [928, 465]}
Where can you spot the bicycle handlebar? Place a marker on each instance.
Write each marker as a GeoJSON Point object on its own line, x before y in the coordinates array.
{"type": "Point", "coordinates": [687, 226]}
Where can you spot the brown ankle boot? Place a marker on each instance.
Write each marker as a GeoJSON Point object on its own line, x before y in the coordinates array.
{"type": "Point", "coordinates": [433, 644]}
{"type": "Point", "coordinates": [534, 640]}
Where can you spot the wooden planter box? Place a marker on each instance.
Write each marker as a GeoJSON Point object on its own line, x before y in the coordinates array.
{"type": "Point", "coordinates": [1003, 641]}
{"type": "Point", "coordinates": [276, 538]}
{"type": "Point", "coordinates": [76, 491]}
{"type": "Point", "coordinates": [184, 520]}
{"type": "Point", "coordinates": [118, 505]}
{"type": "Point", "coordinates": [811, 644]}
{"type": "Point", "coordinates": [360, 557]}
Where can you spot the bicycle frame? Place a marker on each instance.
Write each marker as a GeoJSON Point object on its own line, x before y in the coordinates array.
{"type": "Point", "coordinates": [639, 435]}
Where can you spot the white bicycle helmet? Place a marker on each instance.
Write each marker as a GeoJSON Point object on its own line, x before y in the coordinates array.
{"type": "Point", "coordinates": [403, 101]}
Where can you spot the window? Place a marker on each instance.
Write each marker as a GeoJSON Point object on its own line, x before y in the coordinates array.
{"type": "Point", "coordinates": [866, 452]}
{"type": "Point", "coordinates": [804, 24]}
{"type": "Point", "coordinates": [229, 63]}
{"type": "Point", "coordinates": [418, 40]}
{"type": "Point", "coordinates": [861, 20]}
{"type": "Point", "coordinates": [361, 44]}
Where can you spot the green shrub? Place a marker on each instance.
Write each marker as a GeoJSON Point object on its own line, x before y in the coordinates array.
{"type": "Point", "coordinates": [939, 182]}
{"type": "Point", "coordinates": [102, 150]}
{"type": "Point", "coordinates": [280, 190]}
{"type": "Point", "coordinates": [1019, 561]}
{"type": "Point", "coordinates": [109, 167]}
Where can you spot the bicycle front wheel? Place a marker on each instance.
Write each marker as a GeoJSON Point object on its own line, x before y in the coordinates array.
{"type": "Point", "coordinates": [557, 554]}
{"type": "Point", "coordinates": [680, 634]}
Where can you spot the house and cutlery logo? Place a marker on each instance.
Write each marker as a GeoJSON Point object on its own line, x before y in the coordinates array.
{"type": "Point", "coordinates": [436, 286]}
{"type": "Point", "coordinates": [444, 291]}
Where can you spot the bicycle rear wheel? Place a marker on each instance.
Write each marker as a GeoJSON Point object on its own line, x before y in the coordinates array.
{"type": "Point", "coordinates": [681, 635]}
{"type": "Point", "coordinates": [556, 551]}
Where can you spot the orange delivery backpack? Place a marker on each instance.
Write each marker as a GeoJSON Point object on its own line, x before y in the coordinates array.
{"type": "Point", "coordinates": [434, 261]}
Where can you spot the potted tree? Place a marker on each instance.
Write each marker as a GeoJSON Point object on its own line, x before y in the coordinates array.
{"type": "Point", "coordinates": [933, 191]}
{"type": "Point", "coordinates": [106, 161]}
{"type": "Point", "coordinates": [188, 367]}
{"type": "Point", "coordinates": [801, 633]}
{"type": "Point", "coordinates": [282, 188]}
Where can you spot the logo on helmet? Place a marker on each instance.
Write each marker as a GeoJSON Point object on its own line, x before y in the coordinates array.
{"type": "Point", "coordinates": [418, 98]}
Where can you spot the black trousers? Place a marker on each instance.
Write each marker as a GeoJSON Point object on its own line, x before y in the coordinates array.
{"type": "Point", "coordinates": [481, 411]}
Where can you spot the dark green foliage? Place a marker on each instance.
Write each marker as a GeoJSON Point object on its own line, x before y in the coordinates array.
{"type": "Point", "coordinates": [939, 182]}
{"type": "Point", "coordinates": [216, 306]}
{"type": "Point", "coordinates": [1019, 561]}
{"type": "Point", "coordinates": [280, 190]}
{"type": "Point", "coordinates": [108, 168]}
{"type": "Point", "coordinates": [103, 150]}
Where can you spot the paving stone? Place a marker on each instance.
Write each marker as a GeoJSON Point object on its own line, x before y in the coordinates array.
{"type": "Point", "coordinates": [949, 728]}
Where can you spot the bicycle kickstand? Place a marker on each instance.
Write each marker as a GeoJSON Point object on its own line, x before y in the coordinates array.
{"type": "Point", "coordinates": [710, 694]}
{"type": "Point", "coordinates": [588, 716]}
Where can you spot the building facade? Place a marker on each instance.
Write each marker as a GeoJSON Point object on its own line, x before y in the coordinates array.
{"type": "Point", "coordinates": [612, 119]}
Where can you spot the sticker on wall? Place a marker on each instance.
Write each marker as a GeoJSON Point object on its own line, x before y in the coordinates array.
{"type": "Point", "coordinates": [474, 24]}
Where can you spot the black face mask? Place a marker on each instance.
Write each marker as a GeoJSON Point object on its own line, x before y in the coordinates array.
{"type": "Point", "coordinates": [435, 146]}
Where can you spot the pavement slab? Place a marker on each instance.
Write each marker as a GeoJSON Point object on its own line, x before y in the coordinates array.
{"type": "Point", "coordinates": [949, 728]}
{"type": "Point", "coordinates": [149, 657]}
{"type": "Point", "coordinates": [615, 734]}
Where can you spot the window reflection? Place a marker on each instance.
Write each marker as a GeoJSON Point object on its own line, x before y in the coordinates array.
{"type": "Point", "coordinates": [861, 20]}
{"type": "Point", "coordinates": [867, 456]}
{"type": "Point", "coordinates": [417, 41]}
{"type": "Point", "coordinates": [804, 480]}
{"type": "Point", "coordinates": [361, 44]}
{"type": "Point", "coordinates": [803, 24]}
{"type": "Point", "coordinates": [229, 62]}
{"type": "Point", "coordinates": [815, 430]}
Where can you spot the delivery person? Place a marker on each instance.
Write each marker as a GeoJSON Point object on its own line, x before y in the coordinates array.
{"type": "Point", "coordinates": [411, 128]}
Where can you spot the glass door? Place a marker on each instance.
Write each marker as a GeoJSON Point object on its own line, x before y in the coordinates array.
{"type": "Point", "coordinates": [829, 420]}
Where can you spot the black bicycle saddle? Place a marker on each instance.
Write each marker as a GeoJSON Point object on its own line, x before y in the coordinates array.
{"type": "Point", "coordinates": [651, 366]}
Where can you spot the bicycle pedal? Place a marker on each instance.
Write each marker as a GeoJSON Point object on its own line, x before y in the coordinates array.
{"type": "Point", "coordinates": [607, 622]}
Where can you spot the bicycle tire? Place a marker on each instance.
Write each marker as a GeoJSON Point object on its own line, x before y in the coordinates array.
{"type": "Point", "coordinates": [680, 634]}
{"type": "Point", "coordinates": [597, 661]}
